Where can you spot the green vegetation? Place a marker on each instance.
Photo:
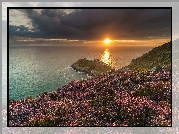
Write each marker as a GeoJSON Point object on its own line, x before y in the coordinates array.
{"type": "Point", "coordinates": [91, 67]}
{"type": "Point", "coordinates": [158, 57]}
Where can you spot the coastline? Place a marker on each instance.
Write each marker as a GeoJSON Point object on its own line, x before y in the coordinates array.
{"type": "Point", "coordinates": [85, 95]}
{"type": "Point", "coordinates": [150, 88]}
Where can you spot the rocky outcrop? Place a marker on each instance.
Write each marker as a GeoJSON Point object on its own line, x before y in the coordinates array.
{"type": "Point", "coordinates": [91, 67]}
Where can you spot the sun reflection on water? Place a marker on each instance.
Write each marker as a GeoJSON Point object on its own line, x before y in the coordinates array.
{"type": "Point", "coordinates": [107, 58]}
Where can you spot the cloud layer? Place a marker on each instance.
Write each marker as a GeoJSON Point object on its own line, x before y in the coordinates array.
{"type": "Point", "coordinates": [95, 24]}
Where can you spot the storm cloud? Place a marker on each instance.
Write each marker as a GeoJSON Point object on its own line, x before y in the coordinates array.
{"type": "Point", "coordinates": [95, 24]}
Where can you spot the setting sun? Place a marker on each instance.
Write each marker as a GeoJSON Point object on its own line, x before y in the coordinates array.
{"type": "Point", "coordinates": [107, 41]}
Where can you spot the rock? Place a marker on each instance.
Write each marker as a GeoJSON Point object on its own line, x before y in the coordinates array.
{"type": "Point", "coordinates": [91, 67]}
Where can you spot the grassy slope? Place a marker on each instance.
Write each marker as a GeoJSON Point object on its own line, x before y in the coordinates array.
{"type": "Point", "coordinates": [157, 57]}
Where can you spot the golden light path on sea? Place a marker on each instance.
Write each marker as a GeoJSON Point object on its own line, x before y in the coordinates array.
{"type": "Point", "coordinates": [106, 57]}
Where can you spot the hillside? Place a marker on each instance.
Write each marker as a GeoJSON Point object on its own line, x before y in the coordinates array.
{"type": "Point", "coordinates": [111, 99]}
{"type": "Point", "coordinates": [156, 58]}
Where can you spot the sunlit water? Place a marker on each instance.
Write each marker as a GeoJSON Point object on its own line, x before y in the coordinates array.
{"type": "Point", "coordinates": [106, 58]}
{"type": "Point", "coordinates": [35, 70]}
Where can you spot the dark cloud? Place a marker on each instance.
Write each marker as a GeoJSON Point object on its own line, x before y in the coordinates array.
{"type": "Point", "coordinates": [23, 31]}
{"type": "Point", "coordinates": [95, 24]}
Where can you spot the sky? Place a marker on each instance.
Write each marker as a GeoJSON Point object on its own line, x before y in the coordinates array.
{"type": "Point", "coordinates": [147, 27]}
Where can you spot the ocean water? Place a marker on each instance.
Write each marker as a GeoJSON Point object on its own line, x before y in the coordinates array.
{"type": "Point", "coordinates": [35, 70]}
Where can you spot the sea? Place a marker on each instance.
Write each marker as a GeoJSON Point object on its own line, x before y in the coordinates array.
{"type": "Point", "coordinates": [34, 70]}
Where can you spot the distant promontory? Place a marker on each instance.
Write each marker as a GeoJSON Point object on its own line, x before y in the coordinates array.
{"type": "Point", "coordinates": [91, 66]}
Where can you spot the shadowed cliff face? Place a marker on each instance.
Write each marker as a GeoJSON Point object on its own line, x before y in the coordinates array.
{"type": "Point", "coordinates": [158, 57]}
{"type": "Point", "coordinates": [91, 67]}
